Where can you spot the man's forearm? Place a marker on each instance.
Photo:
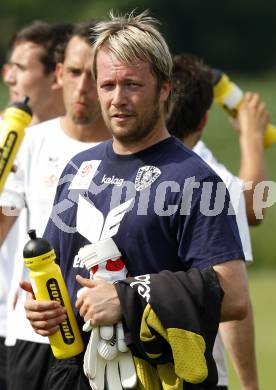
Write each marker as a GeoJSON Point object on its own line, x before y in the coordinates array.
{"type": "Point", "coordinates": [252, 169]}
{"type": "Point", "coordinates": [239, 339]}
{"type": "Point", "coordinates": [252, 122]}
{"type": "Point", "coordinates": [232, 277]}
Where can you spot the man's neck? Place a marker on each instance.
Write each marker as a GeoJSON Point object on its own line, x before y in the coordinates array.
{"type": "Point", "coordinates": [192, 139]}
{"type": "Point", "coordinates": [51, 108]}
{"type": "Point", "coordinates": [94, 132]}
{"type": "Point", "coordinates": [42, 118]}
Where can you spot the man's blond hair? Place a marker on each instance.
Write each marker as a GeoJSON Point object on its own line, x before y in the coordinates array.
{"type": "Point", "coordinates": [132, 38]}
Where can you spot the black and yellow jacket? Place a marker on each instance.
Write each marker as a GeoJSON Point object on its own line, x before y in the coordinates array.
{"type": "Point", "coordinates": [171, 320]}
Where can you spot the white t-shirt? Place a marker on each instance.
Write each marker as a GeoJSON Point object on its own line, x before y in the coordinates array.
{"type": "Point", "coordinates": [235, 186]}
{"type": "Point", "coordinates": [45, 151]}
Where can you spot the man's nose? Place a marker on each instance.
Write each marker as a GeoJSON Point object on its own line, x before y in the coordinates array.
{"type": "Point", "coordinates": [119, 97]}
{"type": "Point", "coordinates": [85, 83]}
{"type": "Point", "coordinates": [9, 75]}
{"type": "Point", "coordinates": [4, 71]}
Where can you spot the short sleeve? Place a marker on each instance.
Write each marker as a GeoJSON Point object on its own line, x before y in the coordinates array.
{"type": "Point", "coordinates": [209, 234]}
{"type": "Point", "coordinates": [14, 195]}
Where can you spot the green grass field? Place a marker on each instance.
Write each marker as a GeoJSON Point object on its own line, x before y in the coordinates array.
{"type": "Point", "coordinates": [224, 143]}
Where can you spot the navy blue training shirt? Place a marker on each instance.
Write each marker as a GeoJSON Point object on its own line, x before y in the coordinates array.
{"type": "Point", "coordinates": [145, 202]}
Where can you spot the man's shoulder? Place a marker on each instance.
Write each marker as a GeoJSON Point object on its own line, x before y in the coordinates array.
{"type": "Point", "coordinates": [205, 153]}
{"type": "Point", "coordinates": [34, 139]}
{"type": "Point", "coordinates": [191, 164]}
{"type": "Point", "coordinates": [43, 129]}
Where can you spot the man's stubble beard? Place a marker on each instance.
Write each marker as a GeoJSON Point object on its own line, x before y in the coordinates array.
{"type": "Point", "coordinates": [87, 119]}
{"type": "Point", "coordinates": [142, 129]}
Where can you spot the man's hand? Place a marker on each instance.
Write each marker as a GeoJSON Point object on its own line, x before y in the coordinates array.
{"type": "Point", "coordinates": [44, 316]}
{"type": "Point", "coordinates": [252, 118]}
{"type": "Point", "coordinates": [98, 303]}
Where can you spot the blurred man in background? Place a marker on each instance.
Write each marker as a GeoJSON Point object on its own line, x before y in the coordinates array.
{"type": "Point", "coordinates": [33, 55]}
{"type": "Point", "coordinates": [191, 99]}
{"type": "Point", "coordinates": [46, 149]}
{"type": "Point", "coordinates": [30, 71]}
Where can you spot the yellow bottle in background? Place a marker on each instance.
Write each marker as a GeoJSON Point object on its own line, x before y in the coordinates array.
{"type": "Point", "coordinates": [16, 118]}
{"type": "Point", "coordinates": [229, 96]}
{"type": "Point", "coordinates": [48, 285]}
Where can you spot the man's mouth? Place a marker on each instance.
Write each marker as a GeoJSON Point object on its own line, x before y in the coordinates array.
{"type": "Point", "coordinates": [81, 103]}
{"type": "Point", "coordinates": [121, 118]}
{"type": "Point", "coordinates": [122, 115]}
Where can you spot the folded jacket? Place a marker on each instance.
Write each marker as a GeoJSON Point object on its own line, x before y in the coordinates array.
{"type": "Point", "coordinates": [171, 320]}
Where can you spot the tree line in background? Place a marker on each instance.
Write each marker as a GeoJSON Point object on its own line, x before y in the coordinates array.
{"type": "Point", "coordinates": [235, 35]}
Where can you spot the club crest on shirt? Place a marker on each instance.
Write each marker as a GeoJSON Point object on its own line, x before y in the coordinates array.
{"type": "Point", "coordinates": [146, 176]}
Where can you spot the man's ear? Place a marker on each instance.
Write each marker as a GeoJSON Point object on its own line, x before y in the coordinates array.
{"type": "Point", "coordinates": [165, 91]}
{"type": "Point", "coordinates": [58, 75]}
{"type": "Point", "coordinates": [203, 122]}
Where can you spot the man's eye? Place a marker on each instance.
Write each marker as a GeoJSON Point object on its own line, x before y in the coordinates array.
{"type": "Point", "coordinates": [18, 66]}
{"type": "Point", "coordinates": [74, 72]}
{"type": "Point", "coordinates": [107, 86]}
{"type": "Point", "coordinates": [134, 85]}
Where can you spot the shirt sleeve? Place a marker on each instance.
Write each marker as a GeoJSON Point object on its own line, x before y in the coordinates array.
{"type": "Point", "coordinates": [14, 195]}
{"type": "Point", "coordinates": [209, 235]}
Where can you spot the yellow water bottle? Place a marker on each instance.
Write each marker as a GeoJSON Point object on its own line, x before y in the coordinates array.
{"type": "Point", "coordinates": [16, 118]}
{"type": "Point", "coordinates": [229, 96]}
{"type": "Point", "coordinates": [48, 285]}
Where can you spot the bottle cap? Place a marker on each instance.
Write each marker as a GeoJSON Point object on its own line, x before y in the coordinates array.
{"type": "Point", "coordinates": [22, 105]}
{"type": "Point", "coordinates": [36, 246]}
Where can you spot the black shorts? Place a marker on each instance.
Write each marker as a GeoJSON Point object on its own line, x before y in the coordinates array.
{"type": "Point", "coordinates": [28, 365]}
{"type": "Point", "coordinates": [67, 374]}
{"type": "Point", "coordinates": [3, 358]}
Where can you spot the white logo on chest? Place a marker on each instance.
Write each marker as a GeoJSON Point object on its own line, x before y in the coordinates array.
{"type": "Point", "coordinates": [112, 180]}
{"type": "Point", "coordinates": [146, 176]}
{"type": "Point", "coordinates": [91, 223]}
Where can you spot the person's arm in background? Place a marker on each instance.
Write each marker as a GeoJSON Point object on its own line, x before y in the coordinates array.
{"type": "Point", "coordinates": [8, 213]}
{"type": "Point", "coordinates": [239, 340]}
{"type": "Point", "coordinates": [12, 197]}
{"type": "Point", "coordinates": [12, 201]}
{"type": "Point", "coordinates": [6, 223]}
{"type": "Point", "coordinates": [239, 336]}
{"type": "Point", "coordinates": [251, 123]}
